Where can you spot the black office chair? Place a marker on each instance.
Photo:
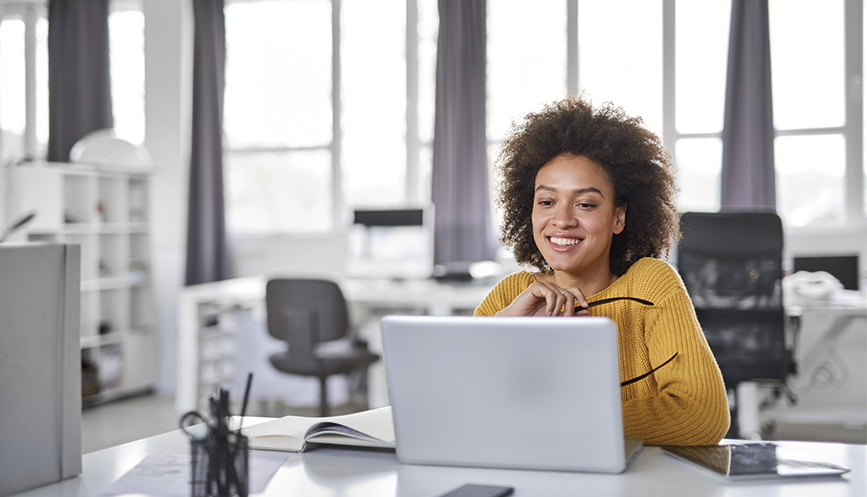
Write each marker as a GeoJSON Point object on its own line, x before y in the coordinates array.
{"type": "Point", "coordinates": [731, 264]}
{"type": "Point", "coordinates": [312, 317]}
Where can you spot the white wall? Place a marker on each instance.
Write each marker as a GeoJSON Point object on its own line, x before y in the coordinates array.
{"type": "Point", "coordinates": [168, 82]}
{"type": "Point", "coordinates": [817, 241]}
{"type": "Point", "coordinates": [308, 255]}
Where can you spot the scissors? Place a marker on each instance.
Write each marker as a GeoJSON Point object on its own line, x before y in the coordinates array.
{"type": "Point", "coordinates": [197, 427]}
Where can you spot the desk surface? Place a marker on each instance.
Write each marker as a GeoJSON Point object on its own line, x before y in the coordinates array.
{"type": "Point", "coordinates": [354, 473]}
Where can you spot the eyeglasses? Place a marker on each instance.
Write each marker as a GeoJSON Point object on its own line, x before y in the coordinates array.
{"type": "Point", "coordinates": [640, 301]}
{"type": "Point", "coordinates": [612, 299]}
{"type": "Point", "coordinates": [645, 375]}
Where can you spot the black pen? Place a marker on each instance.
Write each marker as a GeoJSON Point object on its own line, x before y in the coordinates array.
{"type": "Point", "coordinates": [246, 398]}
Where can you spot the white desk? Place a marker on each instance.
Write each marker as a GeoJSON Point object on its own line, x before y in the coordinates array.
{"type": "Point", "coordinates": [356, 473]}
{"type": "Point", "coordinates": [367, 298]}
{"type": "Point", "coordinates": [830, 321]}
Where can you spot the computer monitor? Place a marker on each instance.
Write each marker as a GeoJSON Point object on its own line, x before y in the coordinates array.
{"type": "Point", "coordinates": [390, 243]}
{"type": "Point", "coordinates": [842, 267]}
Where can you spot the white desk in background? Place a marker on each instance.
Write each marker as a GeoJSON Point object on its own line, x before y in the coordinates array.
{"type": "Point", "coordinates": [829, 321]}
{"type": "Point", "coordinates": [202, 348]}
{"type": "Point", "coordinates": [360, 473]}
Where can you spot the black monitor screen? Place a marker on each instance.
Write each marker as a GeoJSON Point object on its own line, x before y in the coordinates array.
{"type": "Point", "coordinates": [394, 217]}
{"type": "Point", "coordinates": [844, 268]}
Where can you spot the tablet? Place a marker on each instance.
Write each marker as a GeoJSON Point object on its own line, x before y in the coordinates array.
{"type": "Point", "coordinates": [754, 461]}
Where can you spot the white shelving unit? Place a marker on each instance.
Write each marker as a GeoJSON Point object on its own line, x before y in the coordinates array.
{"type": "Point", "coordinates": [105, 211]}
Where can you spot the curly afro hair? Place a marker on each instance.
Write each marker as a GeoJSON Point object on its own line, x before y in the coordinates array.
{"type": "Point", "coordinates": [633, 158]}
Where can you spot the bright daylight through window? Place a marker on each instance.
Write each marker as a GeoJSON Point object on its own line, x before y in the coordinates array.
{"type": "Point", "coordinates": [281, 144]}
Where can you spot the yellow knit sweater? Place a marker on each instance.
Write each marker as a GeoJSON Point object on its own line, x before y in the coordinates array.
{"type": "Point", "coordinates": [684, 402]}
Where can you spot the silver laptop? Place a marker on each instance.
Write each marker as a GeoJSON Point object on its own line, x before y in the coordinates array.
{"type": "Point", "coordinates": [506, 392]}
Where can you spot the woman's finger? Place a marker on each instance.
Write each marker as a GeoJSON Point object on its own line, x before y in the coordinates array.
{"type": "Point", "coordinates": [579, 296]}
{"type": "Point", "coordinates": [569, 303]}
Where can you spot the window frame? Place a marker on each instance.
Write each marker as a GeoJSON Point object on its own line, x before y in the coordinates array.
{"type": "Point", "coordinates": [852, 130]}
{"type": "Point", "coordinates": [29, 11]}
{"type": "Point", "coordinates": [414, 144]}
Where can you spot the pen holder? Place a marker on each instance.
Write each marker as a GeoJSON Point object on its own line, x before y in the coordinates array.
{"type": "Point", "coordinates": [220, 469]}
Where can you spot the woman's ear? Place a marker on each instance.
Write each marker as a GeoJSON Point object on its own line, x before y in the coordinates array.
{"type": "Point", "coordinates": [620, 216]}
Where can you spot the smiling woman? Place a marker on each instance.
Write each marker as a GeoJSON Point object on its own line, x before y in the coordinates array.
{"type": "Point", "coordinates": [574, 222]}
{"type": "Point", "coordinates": [587, 195]}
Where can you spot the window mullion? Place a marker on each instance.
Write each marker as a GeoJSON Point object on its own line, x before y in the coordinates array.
{"type": "Point", "coordinates": [30, 141]}
{"type": "Point", "coordinates": [572, 76]}
{"type": "Point", "coordinates": [336, 129]}
{"type": "Point", "coordinates": [276, 149]}
{"type": "Point", "coordinates": [412, 101]}
{"type": "Point", "coordinates": [669, 129]}
{"type": "Point", "coordinates": [854, 36]}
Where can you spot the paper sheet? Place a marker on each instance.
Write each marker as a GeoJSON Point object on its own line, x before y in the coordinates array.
{"type": "Point", "coordinates": [170, 475]}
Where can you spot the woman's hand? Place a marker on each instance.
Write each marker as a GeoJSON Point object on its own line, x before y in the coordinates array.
{"type": "Point", "coordinates": [546, 299]}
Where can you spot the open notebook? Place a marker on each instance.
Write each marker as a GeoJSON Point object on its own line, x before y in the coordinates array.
{"type": "Point", "coordinates": [532, 393]}
{"type": "Point", "coordinates": [373, 428]}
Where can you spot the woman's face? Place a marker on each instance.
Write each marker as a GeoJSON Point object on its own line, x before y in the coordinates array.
{"type": "Point", "coordinates": [574, 217]}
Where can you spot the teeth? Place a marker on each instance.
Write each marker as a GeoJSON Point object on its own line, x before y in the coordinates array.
{"type": "Point", "coordinates": [564, 241]}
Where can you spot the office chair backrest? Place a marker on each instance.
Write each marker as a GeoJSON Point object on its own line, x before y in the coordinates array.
{"type": "Point", "coordinates": [304, 312]}
{"type": "Point", "coordinates": [731, 264]}
{"type": "Point", "coordinates": [732, 259]}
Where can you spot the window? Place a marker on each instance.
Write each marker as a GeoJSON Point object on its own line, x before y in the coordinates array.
{"type": "Point", "coordinates": [127, 66]}
{"type": "Point", "coordinates": [278, 116]}
{"type": "Point", "coordinates": [695, 135]}
{"type": "Point", "coordinates": [526, 60]}
{"type": "Point", "coordinates": [665, 61]}
{"type": "Point", "coordinates": [808, 68]}
{"type": "Point", "coordinates": [323, 113]}
{"type": "Point", "coordinates": [813, 159]}
{"type": "Point", "coordinates": [620, 55]}
{"type": "Point", "coordinates": [12, 90]}
{"type": "Point", "coordinates": [24, 55]}
{"type": "Point", "coordinates": [23, 109]}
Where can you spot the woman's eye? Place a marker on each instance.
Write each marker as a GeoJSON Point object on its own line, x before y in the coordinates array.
{"type": "Point", "coordinates": [586, 206]}
{"type": "Point", "coordinates": [545, 203]}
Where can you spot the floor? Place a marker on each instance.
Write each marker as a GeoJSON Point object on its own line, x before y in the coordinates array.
{"type": "Point", "coordinates": [123, 421]}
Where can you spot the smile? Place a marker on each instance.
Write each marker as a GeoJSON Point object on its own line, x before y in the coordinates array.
{"type": "Point", "coordinates": [564, 242]}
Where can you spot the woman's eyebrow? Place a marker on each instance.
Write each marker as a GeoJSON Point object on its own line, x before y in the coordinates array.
{"type": "Point", "coordinates": [578, 191]}
{"type": "Point", "coordinates": [588, 190]}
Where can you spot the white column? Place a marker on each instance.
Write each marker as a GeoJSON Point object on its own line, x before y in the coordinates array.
{"type": "Point", "coordinates": [168, 83]}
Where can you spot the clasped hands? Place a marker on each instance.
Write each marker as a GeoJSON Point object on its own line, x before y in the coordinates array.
{"type": "Point", "coordinates": [542, 298]}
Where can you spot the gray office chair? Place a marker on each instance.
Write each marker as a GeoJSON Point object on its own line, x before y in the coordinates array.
{"type": "Point", "coordinates": [312, 317]}
{"type": "Point", "coordinates": [731, 264]}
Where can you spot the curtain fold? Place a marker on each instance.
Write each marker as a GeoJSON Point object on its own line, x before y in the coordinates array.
{"type": "Point", "coordinates": [748, 178]}
{"type": "Point", "coordinates": [207, 243]}
{"type": "Point", "coordinates": [79, 88]}
{"type": "Point", "coordinates": [460, 169]}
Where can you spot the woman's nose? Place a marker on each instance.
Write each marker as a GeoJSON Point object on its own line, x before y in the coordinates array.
{"type": "Point", "coordinates": [564, 217]}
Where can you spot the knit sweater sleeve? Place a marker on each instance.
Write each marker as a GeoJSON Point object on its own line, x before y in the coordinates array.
{"type": "Point", "coordinates": [690, 405]}
{"type": "Point", "coordinates": [504, 293]}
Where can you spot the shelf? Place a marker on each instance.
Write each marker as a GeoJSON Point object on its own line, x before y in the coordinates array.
{"type": "Point", "coordinates": [109, 208]}
{"type": "Point", "coordinates": [101, 340]}
{"type": "Point", "coordinates": [131, 279]}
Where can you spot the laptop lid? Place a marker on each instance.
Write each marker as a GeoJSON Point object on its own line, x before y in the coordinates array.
{"type": "Point", "coordinates": [516, 392]}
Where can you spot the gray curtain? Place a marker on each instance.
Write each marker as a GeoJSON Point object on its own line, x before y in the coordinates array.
{"type": "Point", "coordinates": [207, 244]}
{"type": "Point", "coordinates": [460, 171]}
{"type": "Point", "coordinates": [747, 181]}
{"type": "Point", "coordinates": [79, 91]}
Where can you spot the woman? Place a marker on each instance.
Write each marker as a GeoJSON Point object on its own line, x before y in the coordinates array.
{"type": "Point", "coordinates": [588, 199]}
